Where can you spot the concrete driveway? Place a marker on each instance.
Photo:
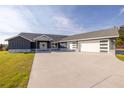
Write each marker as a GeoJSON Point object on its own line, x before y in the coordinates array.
{"type": "Point", "coordinates": [76, 70]}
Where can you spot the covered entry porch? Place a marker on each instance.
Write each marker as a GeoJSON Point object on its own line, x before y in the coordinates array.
{"type": "Point", "coordinates": [43, 43]}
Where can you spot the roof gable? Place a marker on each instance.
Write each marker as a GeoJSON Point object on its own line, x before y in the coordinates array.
{"type": "Point", "coordinates": [31, 36]}
{"type": "Point", "coordinates": [43, 38]}
{"type": "Point", "coordinates": [18, 36]}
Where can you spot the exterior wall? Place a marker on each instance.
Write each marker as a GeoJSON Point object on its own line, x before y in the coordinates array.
{"type": "Point", "coordinates": [19, 43]}
{"type": "Point", "coordinates": [33, 45]}
{"type": "Point", "coordinates": [112, 45]}
{"type": "Point", "coordinates": [99, 45]}
{"type": "Point", "coordinates": [19, 50]}
{"type": "Point", "coordinates": [106, 45]}
{"type": "Point", "coordinates": [72, 45]}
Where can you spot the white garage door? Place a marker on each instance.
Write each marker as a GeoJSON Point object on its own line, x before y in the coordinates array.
{"type": "Point", "coordinates": [90, 46]}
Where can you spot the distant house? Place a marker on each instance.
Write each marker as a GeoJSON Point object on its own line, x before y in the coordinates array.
{"type": "Point", "coordinates": [97, 41]}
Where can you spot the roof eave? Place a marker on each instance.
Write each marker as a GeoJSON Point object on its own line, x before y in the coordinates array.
{"type": "Point", "coordinates": [18, 36]}
{"type": "Point", "coordinates": [90, 38]}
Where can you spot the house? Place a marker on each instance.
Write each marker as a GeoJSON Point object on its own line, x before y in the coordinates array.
{"type": "Point", "coordinates": [96, 41]}
{"type": "Point", "coordinates": [27, 42]}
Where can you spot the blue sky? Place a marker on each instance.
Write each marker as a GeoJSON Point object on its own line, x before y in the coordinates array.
{"type": "Point", "coordinates": [65, 20]}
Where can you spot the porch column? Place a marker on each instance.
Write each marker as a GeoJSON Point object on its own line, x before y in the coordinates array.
{"type": "Point", "coordinates": [36, 45]}
{"type": "Point", "coordinates": [49, 45]}
{"type": "Point", "coordinates": [57, 45]}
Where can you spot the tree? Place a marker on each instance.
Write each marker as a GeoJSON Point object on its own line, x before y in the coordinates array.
{"type": "Point", "coordinates": [120, 39]}
{"type": "Point", "coordinates": [119, 43]}
{"type": "Point", "coordinates": [1, 46]}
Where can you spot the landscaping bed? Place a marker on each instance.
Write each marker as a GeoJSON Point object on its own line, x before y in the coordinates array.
{"type": "Point", "coordinates": [120, 56]}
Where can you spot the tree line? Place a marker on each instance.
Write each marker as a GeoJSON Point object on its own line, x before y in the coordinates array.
{"type": "Point", "coordinates": [3, 47]}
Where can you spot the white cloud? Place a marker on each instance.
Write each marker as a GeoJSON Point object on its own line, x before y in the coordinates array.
{"type": "Point", "coordinates": [61, 21]}
{"type": "Point", "coordinates": [28, 16]}
{"type": "Point", "coordinates": [65, 24]}
{"type": "Point", "coordinates": [3, 37]}
{"type": "Point", "coordinates": [11, 22]}
{"type": "Point", "coordinates": [16, 19]}
{"type": "Point", "coordinates": [121, 11]}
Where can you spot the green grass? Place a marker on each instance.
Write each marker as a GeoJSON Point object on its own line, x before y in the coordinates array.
{"type": "Point", "coordinates": [120, 56]}
{"type": "Point", "coordinates": [15, 69]}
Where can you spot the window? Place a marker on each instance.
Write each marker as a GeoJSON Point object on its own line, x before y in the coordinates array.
{"type": "Point", "coordinates": [104, 41]}
{"type": "Point", "coordinates": [54, 45]}
{"type": "Point", "coordinates": [63, 45]}
{"type": "Point", "coordinates": [104, 46]}
{"type": "Point", "coordinates": [103, 51]}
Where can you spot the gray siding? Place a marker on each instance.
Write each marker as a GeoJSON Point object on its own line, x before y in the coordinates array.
{"type": "Point", "coordinates": [33, 45]}
{"type": "Point", "coordinates": [19, 43]}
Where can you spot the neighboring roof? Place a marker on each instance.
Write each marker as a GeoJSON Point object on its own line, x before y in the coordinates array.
{"type": "Point", "coordinates": [32, 36]}
{"type": "Point", "coordinates": [105, 33]}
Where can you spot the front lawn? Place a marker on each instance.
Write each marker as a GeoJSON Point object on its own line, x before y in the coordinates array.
{"type": "Point", "coordinates": [120, 56]}
{"type": "Point", "coordinates": [15, 69]}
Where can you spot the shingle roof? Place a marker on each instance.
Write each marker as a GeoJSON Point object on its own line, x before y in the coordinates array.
{"type": "Point", "coordinates": [31, 36]}
{"type": "Point", "coordinates": [105, 33]}
{"type": "Point", "coordinates": [111, 32]}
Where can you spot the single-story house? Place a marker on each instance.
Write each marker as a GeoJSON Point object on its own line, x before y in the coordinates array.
{"type": "Point", "coordinates": [96, 41]}
{"type": "Point", "coordinates": [27, 42]}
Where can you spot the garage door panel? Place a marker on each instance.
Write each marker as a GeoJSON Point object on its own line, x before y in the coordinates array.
{"type": "Point", "coordinates": [90, 47]}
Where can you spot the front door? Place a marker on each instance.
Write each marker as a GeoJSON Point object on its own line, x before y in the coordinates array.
{"type": "Point", "coordinates": [43, 45]}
